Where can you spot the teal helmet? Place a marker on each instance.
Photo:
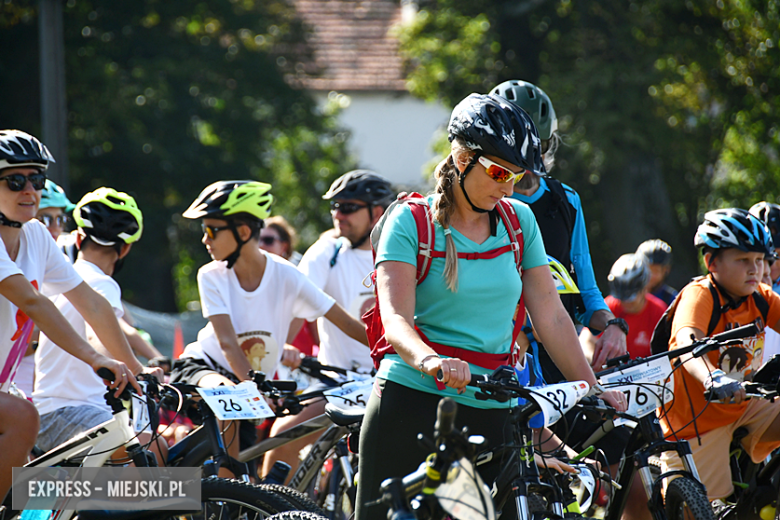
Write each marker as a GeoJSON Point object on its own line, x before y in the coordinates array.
{"type": "Point", "coordinates": [533, 100]}
{"type": "Point", "coordinates": [53, 196]}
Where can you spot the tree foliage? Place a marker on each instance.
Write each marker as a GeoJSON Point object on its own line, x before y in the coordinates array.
{"type": "Point", "coordinates": [165, 98]}
{"type": "Point", "coordinates": [666, 108]}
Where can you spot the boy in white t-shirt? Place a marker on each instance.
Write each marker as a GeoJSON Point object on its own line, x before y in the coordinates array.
{"type": "Point", "coordinates": [67, 394]}
{"type": "Point", "coordinates": [29, 258]}
{"type": "Point", "coordinates": [249, 296]}
{"type": "Point", "coordinates": [338, 263]}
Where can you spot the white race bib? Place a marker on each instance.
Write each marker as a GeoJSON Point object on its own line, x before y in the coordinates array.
{"type": "Point", "coordinates": [351, 396]}
{"type": "Point", "coordinates": [643, 386]}
{"type": "Point", "coordinates": [555, 400]}
{"type": "Point", "coordinates": [242, 401]}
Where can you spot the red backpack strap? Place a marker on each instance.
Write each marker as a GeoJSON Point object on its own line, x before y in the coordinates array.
{"type": "Point", "coordinates": [425, 234]}
{"type": "Point", "coordinates": [512, 224]}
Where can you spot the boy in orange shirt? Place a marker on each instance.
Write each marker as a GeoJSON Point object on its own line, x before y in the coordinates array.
{"type": "Point", "coordinates": [735, 245]}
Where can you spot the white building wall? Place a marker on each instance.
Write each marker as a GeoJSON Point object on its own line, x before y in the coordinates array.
{"type": "Point", "coordinates": [392, 133]}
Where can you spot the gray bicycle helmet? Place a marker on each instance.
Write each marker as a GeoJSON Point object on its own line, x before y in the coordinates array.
{"type": "Point", "coordinates": [655, 251]}
{"type": "Point", "coordinates": [628, 276]}
{"type": "Point", "coordinates": [770, 214]}
{"type": "Point", "coordinates": [363, 185]}
{"type": "Point", "coordinates": [19, 149]}
{"type": "Point", "coordinates": [734, 227]}
{"type": "Point", "coordinates": [533, 100]}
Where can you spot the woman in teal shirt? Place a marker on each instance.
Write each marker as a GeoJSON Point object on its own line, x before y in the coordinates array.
{"type": "Point", "coordinates": [468, 304]}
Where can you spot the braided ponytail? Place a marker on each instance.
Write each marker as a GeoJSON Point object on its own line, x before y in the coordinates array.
{"type": "Point", "coordinates": [446, 175]}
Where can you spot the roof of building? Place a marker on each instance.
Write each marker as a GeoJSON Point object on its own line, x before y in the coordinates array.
{"type": "Point", "coordinates": [352, 45]}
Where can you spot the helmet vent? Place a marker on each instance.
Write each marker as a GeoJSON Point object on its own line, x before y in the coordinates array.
{"type": "Point", "coordinates": [531, 93]}
{"type": "Point", "coordinates": [544, 110]}
{"type": "Point", "coordinates": [510, 95]}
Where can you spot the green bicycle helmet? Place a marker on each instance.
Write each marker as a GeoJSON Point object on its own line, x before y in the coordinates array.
{"type": "Point", "coordinates": [53, 196]}
{"type": "Point", "coordinates": [533, 100]}
{"type": "Point", "coordinates": [109, 217]}
{"type": "Point", "coordinates": [248, 201]}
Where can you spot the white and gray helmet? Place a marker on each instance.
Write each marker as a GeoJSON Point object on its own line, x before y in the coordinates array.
{"type": "Point", "coordinates": [19, 149]}
{"type": "Point", "coordinates": [628, 276]}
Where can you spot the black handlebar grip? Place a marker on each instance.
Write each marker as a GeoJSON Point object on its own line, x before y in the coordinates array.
{"type": "Point", "coordinates": [445, 417]}
{"type": "Point", "coordinates": [285, 386]}
{"type": "Point", "coordinates": [106, 374]}
{"type": "Point", "coordinates": [744, 331]}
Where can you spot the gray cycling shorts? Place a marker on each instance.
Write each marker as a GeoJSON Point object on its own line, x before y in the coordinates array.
{"type": "Point", "coordinates": [65, 423]}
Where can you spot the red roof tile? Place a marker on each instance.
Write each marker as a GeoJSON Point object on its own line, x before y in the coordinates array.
{"type": "Point", "coordinates": [352, 47]}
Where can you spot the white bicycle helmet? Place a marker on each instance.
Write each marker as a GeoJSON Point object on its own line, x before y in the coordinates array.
{"type": "Point", "coordinates": [628, 276]}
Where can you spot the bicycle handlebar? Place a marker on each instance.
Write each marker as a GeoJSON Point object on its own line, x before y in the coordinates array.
{"type": "Point", "coordinates": [699, 347]}
{"type": "Point", "coordinates": [445, 418]}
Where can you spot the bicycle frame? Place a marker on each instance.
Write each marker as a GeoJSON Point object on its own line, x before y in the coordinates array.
{"type": "Point", "coordinates": [98, 443]}
{"type": "Point", "coordinates": [646, 440]}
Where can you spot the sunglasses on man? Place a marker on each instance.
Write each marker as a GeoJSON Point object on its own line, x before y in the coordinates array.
{"type": "Point", "coordinates": [346, 208]}
{"type": "Point", "coordinates": [269, 240]}
{"type": "Point", "coordinates": [17, 181]}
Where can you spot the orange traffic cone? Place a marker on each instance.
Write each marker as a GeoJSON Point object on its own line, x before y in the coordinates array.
{"type": "Point", "coordinates": [178, 341]}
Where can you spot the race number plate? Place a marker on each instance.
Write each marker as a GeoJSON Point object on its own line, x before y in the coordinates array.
{"type": "Point", "coordinates": [352, 395]}
{"type": "Point", "coordinates": [555, 400]}
{"type": "Point", "coordinates": [643, 385]}
{"type": "Point", "coordinates": [141, 421]}
{"type": "Point", "coordinates": [242, 401]}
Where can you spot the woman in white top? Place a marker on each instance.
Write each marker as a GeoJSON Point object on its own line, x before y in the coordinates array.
{"type": "Point", "coordinates": [249, 296]}
{"type": "Point", "coordinates": [29, 258]}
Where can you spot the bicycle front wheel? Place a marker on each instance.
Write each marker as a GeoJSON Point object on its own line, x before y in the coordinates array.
{"type": "Point", "coordinates": [687, 500]}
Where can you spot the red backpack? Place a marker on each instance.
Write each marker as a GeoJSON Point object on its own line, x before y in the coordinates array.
{"type": "Point", "coordinates": [426, 239]}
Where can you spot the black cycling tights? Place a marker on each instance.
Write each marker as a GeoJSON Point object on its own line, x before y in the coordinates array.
{"type": "Point", "coordinates": [388, 438]}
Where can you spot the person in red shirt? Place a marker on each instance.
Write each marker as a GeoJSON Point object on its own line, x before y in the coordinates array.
{"type": "Point", "coordinates": [630, 300]}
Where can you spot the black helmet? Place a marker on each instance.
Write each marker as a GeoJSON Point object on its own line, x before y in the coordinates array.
{"type": "Point", "coordinates": [734, 227]}
{"type": "Point", "coordinates": [494, 126]}
{"type": "Point", "coordinates": [109, 217]}
{"type": "Point", "coordinates": [770, 214]}
{"type": "Point", "coordinates": [655, 251]}
{"type": "Point", "coordinates": [363, 185]}
{"type": "Point", "coordinates": [628, 276]}
{"type": "Point", "coordinates": [19, 149]}
{"type": "Point", "coordinates": [533, 100]}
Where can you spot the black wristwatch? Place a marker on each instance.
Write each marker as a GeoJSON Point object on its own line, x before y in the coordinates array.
{"type": "Point", "coordinates": [620, 322]}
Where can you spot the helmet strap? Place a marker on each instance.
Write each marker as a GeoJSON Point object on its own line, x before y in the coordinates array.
{"type": "Point", "coordinates": [231, 259]}
{"type": "Point", "coordinates": [462, 177]}
{"type": "Point", "coordinates": [5, 221]}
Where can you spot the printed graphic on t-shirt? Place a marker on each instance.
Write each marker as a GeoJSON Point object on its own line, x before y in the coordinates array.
{"type": "Point", "coordinates": [20, 339]}
{"type": "Point", "coordinates": [362, 303]}
{"type": "Point", "coordinates": [740, 361]}
{"type": "Point", "coordinates": [260, 349]}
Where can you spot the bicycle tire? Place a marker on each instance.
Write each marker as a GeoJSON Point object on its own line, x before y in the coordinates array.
{"type": "Point", "coordinates": [298, 500]}
{"type": "Point", "coordinates": [687, 500]}
{"type": "Point", "coordinates": [297, 515]}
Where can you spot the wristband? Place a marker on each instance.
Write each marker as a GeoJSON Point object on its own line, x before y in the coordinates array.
{"type": "Point", "coordinates": [620, 322]}
{"type": "Point", "coordinates": [716, 373]}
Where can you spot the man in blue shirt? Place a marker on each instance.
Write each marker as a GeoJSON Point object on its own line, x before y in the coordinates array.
{"type": "Point", "coordinates": [558, 211]}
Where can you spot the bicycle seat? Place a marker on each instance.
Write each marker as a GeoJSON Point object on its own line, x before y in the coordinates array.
{"type": "Point", "coordinates": [343, 417]}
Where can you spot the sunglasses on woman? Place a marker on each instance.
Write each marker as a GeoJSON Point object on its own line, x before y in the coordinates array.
{"type": "Point", "coordinates": [49, 220]}
{"type": "Point", "coordinates": [268, 240]}
{"type": "Point", "coordinates": [17, 181]}
{"type": "Point", "coordinates": [211, 231]}
{"type": "Point", "coordinates": [500, 173]}
{"type": "Point", "coordinates": [346, 208]}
